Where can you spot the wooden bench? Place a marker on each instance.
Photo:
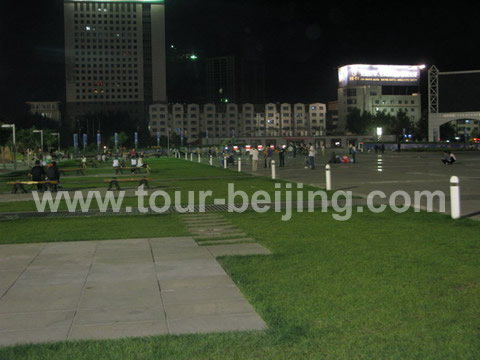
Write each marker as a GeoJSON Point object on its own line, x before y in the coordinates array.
{"type": "Point", "coordinates": [114, 182]}
{"type": "Point", "coordinates": [19, 185]}
{"type": "Point", "coordinates": [78, 171]}
{"type": "Point", "coordinates": [132, 169]}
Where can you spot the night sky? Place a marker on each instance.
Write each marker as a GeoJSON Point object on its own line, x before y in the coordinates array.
{"type": "Point", "coordinates": [302, 42]}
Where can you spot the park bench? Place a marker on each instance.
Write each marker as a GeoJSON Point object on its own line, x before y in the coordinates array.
{"type": "Point", "coordinates": [78, 171]}
{"type": "Point", "coordinates": [132, 169]}
{"type": "Point", "coordinates": [115, 182]}
{"type": "Point", "coordinates": [19, 185]}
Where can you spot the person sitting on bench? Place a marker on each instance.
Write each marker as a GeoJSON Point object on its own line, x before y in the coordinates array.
{"type": "Point", "coordinates": [52, 173]}
{"type": "Point", "coordinates": [133, 164]}
{"type": "Point", "coordinates": [38, 174]}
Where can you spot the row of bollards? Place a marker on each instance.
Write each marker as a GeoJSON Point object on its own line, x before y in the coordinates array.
{"type": "Point", "coordinates": [454, 182]}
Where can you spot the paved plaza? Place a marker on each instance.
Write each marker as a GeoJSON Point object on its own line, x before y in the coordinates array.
{"type": "Point", "coordinates": [390, 172]}
{"type": "Point", "coordinates": [118, 288]}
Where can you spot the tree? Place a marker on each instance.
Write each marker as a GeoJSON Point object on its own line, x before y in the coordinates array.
{"type": "Point", "coordinates": [420, 131]}
{"type": "Point", "coordinates": [401, 125]}
{"type": "Point", "coordinates": [359, 123]}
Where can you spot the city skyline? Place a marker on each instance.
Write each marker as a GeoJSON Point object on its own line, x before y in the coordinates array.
{"type": "Point", "coordinates": [302, 44]}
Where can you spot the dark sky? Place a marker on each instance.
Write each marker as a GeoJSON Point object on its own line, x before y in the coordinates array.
{"type": "Point", "coordinates": [302, 42]}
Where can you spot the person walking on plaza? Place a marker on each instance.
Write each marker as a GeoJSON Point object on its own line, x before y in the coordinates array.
{"type": "Point", "coordinates": [254, 152]}
{"type": "Point", "coordinates": [281, 156]}
{"type": "Point", "coordinates": [311, 155]}
{"type": "Point", "coordinates": [269, 156]}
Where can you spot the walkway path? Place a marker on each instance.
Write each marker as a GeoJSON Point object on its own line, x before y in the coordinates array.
{"type": "Point", "coordinates": [117, 288]}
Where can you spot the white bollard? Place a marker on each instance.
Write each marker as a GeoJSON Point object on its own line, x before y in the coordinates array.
{"type": "Point", "coordinates": [199, 160]}
{"type": "Point", "coordinates": [191, 156]}
{"type": "Point", "coordinates": [274, 175]}
{"type": "Point", "coordinates": [186, 155]}
{"type": "Point", "coordinates": [239, 165]}
{"type": "Point", "coordinates": [328, 178]}
{"type": "Point", "coordinates": [455, 197]}
{"type": "Point", "coordinates": [224, 162]}
{"type": "Point", "coordinates": [211, 160]}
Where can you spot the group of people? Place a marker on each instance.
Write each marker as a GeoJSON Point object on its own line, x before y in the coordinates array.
{"type": "Point", "coordinates": [268, 152]}
{"type": "Point", "coordinates": [136, 161]}
{"type": "Point", "coordinates": [448, 158]}
{"type": "Point", "coordinates": [38, 172]}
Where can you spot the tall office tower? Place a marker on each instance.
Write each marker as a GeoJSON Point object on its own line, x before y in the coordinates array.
{"type": "Point", "coordinates": [115, 57]}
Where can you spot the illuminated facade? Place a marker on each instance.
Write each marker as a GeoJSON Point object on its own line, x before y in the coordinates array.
{"type": "Point", "coordinates": [234, 120]}
{"type": "Point", "coordinates": [378, 88]}
{"type": "Point", "coordinates": [47, 109]}
{"type": "Point", "coordinates": [115, 57]}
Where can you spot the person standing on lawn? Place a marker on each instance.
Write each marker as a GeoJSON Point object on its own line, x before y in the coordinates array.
{"type": "Point", "coordinates": [311, 155]}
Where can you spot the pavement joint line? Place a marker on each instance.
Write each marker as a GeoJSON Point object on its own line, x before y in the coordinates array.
{"type": "Point", "coordinates": [23, 272]}
{"type": "Point", "coordinates": [159, 287]}
{"type": "Point", "coordinates": [69, 333]}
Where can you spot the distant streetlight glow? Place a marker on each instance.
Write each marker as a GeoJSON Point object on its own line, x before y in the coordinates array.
{"type": "Point", "coordinates": [41, 137]}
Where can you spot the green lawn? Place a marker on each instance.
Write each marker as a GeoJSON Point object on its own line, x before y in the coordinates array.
{"type": "Point", "coordinates": [53, 229]}
{"type": "Point", "coordinates": [169, 175]}
{"type": "Point", "coordinates": [379, 286]}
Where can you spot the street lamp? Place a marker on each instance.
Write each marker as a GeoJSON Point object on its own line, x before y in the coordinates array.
{"type": "Point", "coordinates": [12, 126]}
{"type": "Point", "coordinates": [41, 137]}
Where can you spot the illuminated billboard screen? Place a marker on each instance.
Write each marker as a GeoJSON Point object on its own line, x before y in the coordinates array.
{"type": "Point", "coordinates": [359, 75]}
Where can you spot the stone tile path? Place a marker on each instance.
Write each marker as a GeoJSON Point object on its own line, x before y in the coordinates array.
{"type": "Point", "coordinates": [220, 237]}
{"type": "Point", "coordinates": [119, 288]}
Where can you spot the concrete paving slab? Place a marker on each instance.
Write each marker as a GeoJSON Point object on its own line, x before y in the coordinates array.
{"type": "Point", "coordinates": [196, 282]}
{"type": "Point", "coordinates": [36, 275]}
{"type": "Point", "coordinates": [33, 336]}
{"type": "Point", "coordinates": [187, 268]}
{"type": "Point", "coordinates": [12, 257]}
{"type": "Point", "coordinates": [118, 288]}
{"type": "Point", "coordinates": [211, 308]}
{"type": "Point", "coordinates": [119, 330]}
{"type": "Point", "coordinates": [40, 298]}
{"type": "Point", "coordinates": [201, 295]}
{"type": "Point", "coordinates": [112, 314]}
{"type": "Point", "coordinates": [35, 320]}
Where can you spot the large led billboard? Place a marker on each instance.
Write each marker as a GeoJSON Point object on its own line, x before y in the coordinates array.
{"type": "Point", "coordinates": [361, 74]}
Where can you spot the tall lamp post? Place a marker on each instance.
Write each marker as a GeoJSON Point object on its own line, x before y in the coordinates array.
{"type": "Point", "coordinates": [12, 126]}
{"type": "Point", "coordinates": [41, 137]}
{"type": "Point", "coordinates": [58, 135]}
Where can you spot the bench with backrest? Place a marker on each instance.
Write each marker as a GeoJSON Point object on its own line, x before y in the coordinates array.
{"type": "Point", "coordinates": [115, 182]}
{"type": "Point", "coordinates": [46, 185]}
{"type": "Point", "coordinates": [78, 171]}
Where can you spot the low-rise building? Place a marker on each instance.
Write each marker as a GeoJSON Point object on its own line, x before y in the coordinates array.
{"type": "Point", "coordinates": [195, 121]}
